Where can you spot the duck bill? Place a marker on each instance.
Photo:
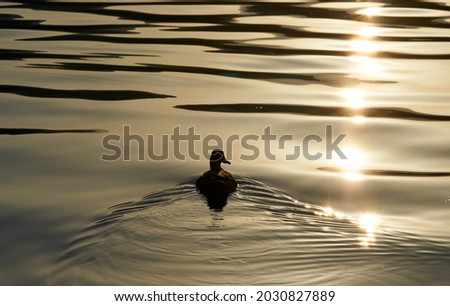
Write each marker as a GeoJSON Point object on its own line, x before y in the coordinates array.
{"type": "Point", "coordinates": [226, 161]}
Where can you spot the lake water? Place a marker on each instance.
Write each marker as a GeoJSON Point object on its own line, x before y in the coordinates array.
{"type": "Point", "coordinates": [75, 72]}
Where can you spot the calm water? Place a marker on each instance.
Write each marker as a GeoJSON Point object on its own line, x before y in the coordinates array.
{"type": "Point", "coordinates": [74, 72]}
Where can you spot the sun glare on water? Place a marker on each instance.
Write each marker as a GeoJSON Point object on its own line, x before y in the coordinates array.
{"type": "Point", "coordinates": [364, 46]}
{"type": "Point", "coordinates": [371, 11]}
{"type": "Point", "coordinates": [352, 166]}
{"type": "Point", "coordinates": [368, 32]}
{"type": "Point", "coordinates": [369, 223]}
{"type": "Point", "coordinates": [354, 97]}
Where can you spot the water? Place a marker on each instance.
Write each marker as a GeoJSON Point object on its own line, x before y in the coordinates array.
{"type": "Point", "coordinates": [74, 72]}
{"type": "Point", "coordinates": [168, 238]}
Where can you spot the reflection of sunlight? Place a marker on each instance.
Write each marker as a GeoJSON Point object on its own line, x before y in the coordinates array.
{"type": "Point", "coordinates": [352, 93]}
{"type": "Point", "coordinates": [330, 212]}
{"type": "Point", "coordinates": [339, 215]}
{"type": "Point", "coordinates": [364, 46]}
{"type": "Point", "coordinates": [354, 97]}
{"type": "Point", "coordinates": [371, 11]}
{"type": "Point", "coordinates": [353, 176]}
{"type": "Point", "coordinates": [368, 66]}
{"type": "Point", "coordinates": [356, 103]}
{"type": "Point", "coordinates": [352, 166]}
{"type": "Point", "coordinates": [355, 159]}
{"type": "Point", "coordinates": [360, 59]}
{"type": "Point", "coordinates": [368, 32]}
{"type": "Point", "coordinates": [358, 119]}
{"type": "Point", "coordinates": [369, 223]}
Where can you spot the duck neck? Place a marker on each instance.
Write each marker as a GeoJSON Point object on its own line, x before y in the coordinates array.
{"type": "Point", "coordinates": [215, 166]}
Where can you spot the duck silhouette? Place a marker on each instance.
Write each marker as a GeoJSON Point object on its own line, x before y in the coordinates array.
{"type": "Point", "coordinates": [216, 184]}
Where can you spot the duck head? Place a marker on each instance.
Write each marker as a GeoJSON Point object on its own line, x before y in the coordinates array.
{"type": "Point", "coordinates": [217, 158]}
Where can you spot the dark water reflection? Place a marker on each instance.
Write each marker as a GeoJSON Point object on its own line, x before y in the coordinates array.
{"type": "Point", "coordinates": [17, 131]}
{"type": "Point", "coordinates": [98, 95]}
{"type": "Point", "coordinates": [309, 110]}
{"type": "Point", "coordinates": [73, 71]}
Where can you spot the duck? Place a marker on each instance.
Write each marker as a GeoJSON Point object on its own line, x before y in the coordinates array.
{"type": "Point", "coordinates": [216, 184]}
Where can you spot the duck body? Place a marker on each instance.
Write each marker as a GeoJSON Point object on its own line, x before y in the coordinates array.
{"type": "Point", "coordinates": [216, 184]}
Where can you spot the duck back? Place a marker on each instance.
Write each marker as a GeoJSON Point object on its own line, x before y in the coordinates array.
{"type": "Point", "coordinates": [213, 183]}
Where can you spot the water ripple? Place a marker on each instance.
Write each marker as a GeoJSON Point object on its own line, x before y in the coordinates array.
{"type": "Point", "coordinates": [328, 79]}
{"type": "Point", "coordinates": [389, 172]}
{"type": "Point", "coordinates": [23, 131]}
{"type": "Point", "coordinates": [262, 231]}
{"type": "Point", "coordinates": [309, 110]}
{"type": "Point", "coordinates": [100, 95]}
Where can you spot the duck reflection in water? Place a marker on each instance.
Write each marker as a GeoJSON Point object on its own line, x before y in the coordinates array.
{"type": "Point", "coordinates": [216, 184]}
